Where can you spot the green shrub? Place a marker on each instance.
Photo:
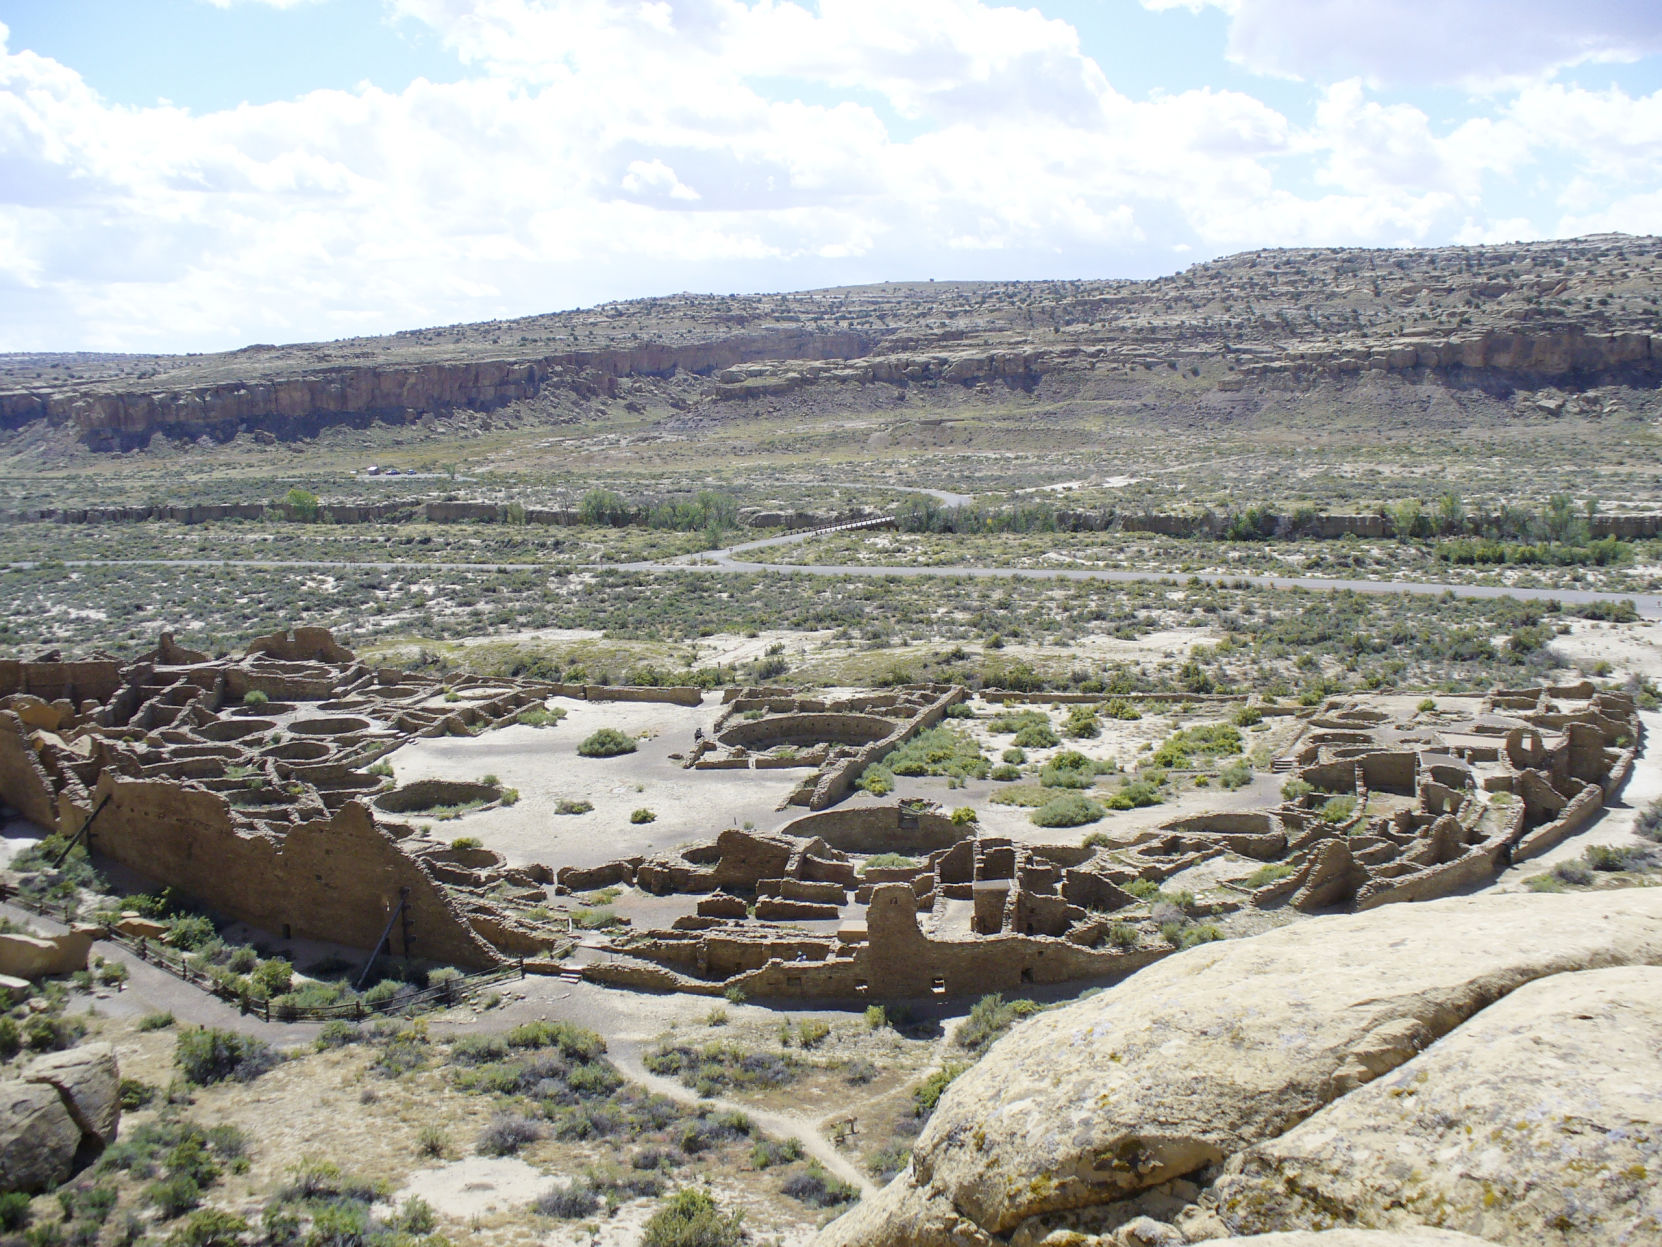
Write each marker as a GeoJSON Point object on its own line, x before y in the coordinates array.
{"type": "Point", "coordinates": [765, 1153]}
{"type": "Point", "coordinates": [564, 806]}
{"type": "Point", "coordinates": [939, 751]}
{"type": "Point", "coordinates": [1267, 874]}
{"type": "Point", "coordinates": [1082, 723]}
{"type": "Point", "coordinates": [1199, 933]}
{"type": "Point", "coordinates": [1203, 740]}
{"type": "Point", "coordinates": [540, 716]}
{"type": "Point", "coordinates": [209, 1227]}
{"type": "Point", "coordinates": [642, 815]}
{"type": "Point", "coordinates": [1296, 789]}
{"type": "Point", "coordinates": [1004, 773]}
{"type": "Point", "coordinates": [1036, 736]}
{"type": "Point", "coordinates": [818, 1189]}
{"type": "Point", "coordinates": [189, 932]}
{"type": "Point", "coordinates": [301, 505]}
{"type": "Point", "coordinates": [155, 1021]}
{"type": "Point", "coordinates": [1248, 716]}
{"type": "Point", "coordinates": [990, 1017]}
{"type": "Point", "coordinates": [1070, 810]}
{"type": "Point", "coordinates": [1069, 769]}
{"type": "Point", "coordinates": [877, 780]}
{"type": "Point", "coordinates": [889, 861]}
{"type": "Point", "coordinates": [811, 1032]}
{"type": "Point", "coordinates": [691, 1218]}
{"type": "Point", "coordinates": [14, 1210]}
{"type": "Point", "coordinates": [134, 1094]}
{"type": "Point", "coordinates": [209, 1055]}
{"type": "Point", "coordinates": [467, 842]}
{"type": "Point", "coordinates": [570, 1202]}
{"type": "Point", "coordinates": [173, 1196]}
{"type": "Point", "coordinates": [927, 1094]}
{"type": "Point", "coordinates": [876, 1017]}
{"type": "Point", "coordinates": [254, 697]}
{"type": "Point", "coordinates": [1338, 809]}
{"type": "Point", "coordinates": [1135, 795]}
{"type": "Point", "coordinates": [1014, 756]}
{"type": "Point", "coordinates": [606, 742]}
{"type": "Point", "coordinates": [272, 978]}
{"type": "Point", "coordinates": [1238, 775]}
{"type": "Point", "coordinates": [1649, 822]}
{"type": "Point", "coordinates": [1606, 857]}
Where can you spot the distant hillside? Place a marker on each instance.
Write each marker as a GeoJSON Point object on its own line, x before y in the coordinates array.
{"type": "Point", "coordinates": [1575, 315]}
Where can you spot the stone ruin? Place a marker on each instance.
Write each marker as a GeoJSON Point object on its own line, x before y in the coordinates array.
{"type": "Point", "coordinates": [262, 810]}
{"type": "Point", "coordinates": [265, 812]}
{"type": "Point", "coordinates": [1438, 807]}
{"type": "Point", "coordinates": [773, 727]}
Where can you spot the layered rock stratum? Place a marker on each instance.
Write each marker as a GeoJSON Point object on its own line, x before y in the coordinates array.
{"type": "Point", "coordinates": [1482, 1065]}
{"type": "Point", "coordinates": [1576, 314]}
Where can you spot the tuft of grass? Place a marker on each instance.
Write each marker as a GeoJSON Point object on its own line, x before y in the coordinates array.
{"type": "Point", "coordinates": [1266, 874]}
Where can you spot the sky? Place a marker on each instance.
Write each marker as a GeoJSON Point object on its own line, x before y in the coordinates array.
{"type": "Point", "coordinates": [197, 175]}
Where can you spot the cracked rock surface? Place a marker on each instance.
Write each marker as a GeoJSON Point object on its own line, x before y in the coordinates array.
{"type": "Point", "coordinates": [1130, 1103]}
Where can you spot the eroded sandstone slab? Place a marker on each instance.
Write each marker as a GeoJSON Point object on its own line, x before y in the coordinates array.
{"type": "Point", "coordinates": [1223, 1047]}
{"type": "Point", "coordinates": [1538, 1120]}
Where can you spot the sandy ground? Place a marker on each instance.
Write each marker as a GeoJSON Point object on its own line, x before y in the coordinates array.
{"type": "Point", "coordinates": [544, 765]}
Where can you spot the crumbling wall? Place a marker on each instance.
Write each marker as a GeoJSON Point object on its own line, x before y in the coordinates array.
{"type": "Point", "coordinates": [879, 829]}
{"type": "Point", "coordinates": [302, 645]}
{"type": "Point", "coordinates": [336, 878]}
{"type": "Point", "coordinates": [24, 784]}
{"type": "Point", "coordinates": [94, 680]}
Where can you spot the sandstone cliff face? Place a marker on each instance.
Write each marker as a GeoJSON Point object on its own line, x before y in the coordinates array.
{"type": "Point", "coordinates": [114, 416]}
{"type": "Point", "coordinates": [1578, 314]}
{"type": "Point", "coordinates": [1090, 1116]}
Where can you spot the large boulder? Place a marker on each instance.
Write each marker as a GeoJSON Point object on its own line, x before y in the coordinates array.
{"type": "Point", "coordinates": [89, 1081]}
{"type": "Point", "coordinates": [36, 957]}
{"type": "Point", "coordinates": [1227, 1045]}
{"type": "Point", "coordinates": [38, 1138]}
{"type": "Point", "coordinates": [1540, 1120]}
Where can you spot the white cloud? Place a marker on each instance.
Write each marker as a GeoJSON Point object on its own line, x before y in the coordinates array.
{"type": "Point", "coordinates": [1475, 43]}
{"type": "Point", "coordinates": [638, 146]}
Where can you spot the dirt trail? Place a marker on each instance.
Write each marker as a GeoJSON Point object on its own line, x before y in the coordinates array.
{"type": "Point", "coordinates": [626, 1055]}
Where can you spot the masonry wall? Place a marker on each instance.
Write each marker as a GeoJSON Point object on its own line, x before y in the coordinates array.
{"type": "Point", "coordinates": [23, 781]}
{"type": "Point", "coordinates": [335, 878]}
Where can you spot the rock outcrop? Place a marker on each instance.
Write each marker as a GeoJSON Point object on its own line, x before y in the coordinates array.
{"type": "Point", "coordinates": [62, 1107]}
{"type": "Point", "coordinates": [1540, 1120]}
{"type": "Point", "coordinates": [1065, 1125]}
{"type": "Point", "coordinates": [38, 1137]}
{"type": "Point", "coordinates": [89, 1081]}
